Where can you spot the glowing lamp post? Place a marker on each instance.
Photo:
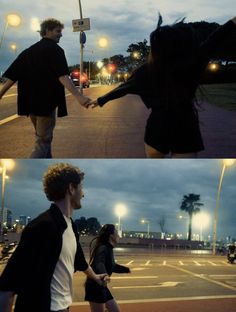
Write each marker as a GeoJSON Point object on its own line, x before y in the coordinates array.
{"type": "Point", "coordinates": [120, 210]}
{"type": "Point", "coordinates": [143, 221]}
{"type": "Point", "coordinates": [226, 163]}
{"type": "Point", "coordinates": [13, 47]}
{"type": "Point", "coordinates": [6, 164]}
{"type": "Point", "coordinates": [103, 42]}
{"type": "Point", "coordinates": [202, 220]}
{"type": "Point", "coordinates": [13, 20]}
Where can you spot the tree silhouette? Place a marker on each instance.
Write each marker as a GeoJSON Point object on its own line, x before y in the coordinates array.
{"type": "Point", "coordinates": [190, 204]}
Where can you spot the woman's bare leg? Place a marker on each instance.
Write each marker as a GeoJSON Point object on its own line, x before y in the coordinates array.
{"type": "Point", "coordinates": [97, 307]}
{"type": "Point", "coordinates": [112, 306]}
{"type": "Point", "coordinates": [152, 152]}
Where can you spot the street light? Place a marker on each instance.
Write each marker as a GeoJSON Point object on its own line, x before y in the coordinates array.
{"type": "Point", "coordinates": [148, 226]}
{"type": "Point", "coordinates": [35, 24]}
{"type": "Point", "coordinates": [6, 164]}
{"type": "Point", "coordinates": [202, 220]}
{"type": "Point", "coordinates": [103, 42]}
{"type": "Point", "coordinates": [13, 20]}
{"type": "Point", "coordinates": [181, 217]}
{"type": "Point", "coordinates": [13, 47]}
{"type": "Point", "coordinates": [226, 163]}
{"type": "Point", "coordinates": [120, 210]}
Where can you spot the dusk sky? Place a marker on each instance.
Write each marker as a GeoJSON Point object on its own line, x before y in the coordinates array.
{"type": "Point", "coordinates": [122, 22]}
{"type": "Point", "coordinates": [149, 189]}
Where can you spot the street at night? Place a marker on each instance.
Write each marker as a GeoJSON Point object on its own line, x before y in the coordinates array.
{"type": "Point", "coordinates": [114, 131]}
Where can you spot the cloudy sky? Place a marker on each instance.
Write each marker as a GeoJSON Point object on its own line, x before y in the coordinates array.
{"type": "Point", "coordinates": [149, 188]}
{"type": "Point", "coordinates": [122, 22]}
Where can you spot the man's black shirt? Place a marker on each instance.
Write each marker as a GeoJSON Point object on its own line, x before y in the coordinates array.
{"type": "Point", "coordinates": [37, 70]}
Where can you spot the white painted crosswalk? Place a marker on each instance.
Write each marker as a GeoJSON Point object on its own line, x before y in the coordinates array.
{"type": "Point", "coordinates": [197, 263]}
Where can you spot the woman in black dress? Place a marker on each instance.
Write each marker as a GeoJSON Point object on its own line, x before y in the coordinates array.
{"type": "Point", "coordinates": [167, 84]}
{"type": "Point", "coordinates": [102, 261]}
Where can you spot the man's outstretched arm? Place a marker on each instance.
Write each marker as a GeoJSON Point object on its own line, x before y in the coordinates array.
{"type": "Point", "coordinates": [7, 85]}
{"type": "Point", "coordinates": [68, 84]}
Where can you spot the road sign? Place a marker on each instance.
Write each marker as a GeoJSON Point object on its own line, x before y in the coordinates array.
{"type": "Point", "coordinates": [81, 24]}
{"type": "Point", "coordinates": [82, 37]}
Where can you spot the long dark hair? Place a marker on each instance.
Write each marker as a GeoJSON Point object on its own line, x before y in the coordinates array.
{"type": "Point", "coordinates": [172, 61]}
{"type": "Point", "coordinates": [102, 238]}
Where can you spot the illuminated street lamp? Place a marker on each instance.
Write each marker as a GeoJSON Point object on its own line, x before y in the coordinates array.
{"type": "Point", "coordinates": [6, 164]}
{"type": "Point", "coordinates": [136, 55]}
{"type": "Point", "coordinates": [100, 64]}
{"type": "Point", "coordinates": [35, 24]}
{"type": "Point", "coordinates": [120, 210]}
{"type": "Point", "coordinates": [202, 220]}
{"type": "Point", "coordinates": [226, 163]}
{"type": "Point", "coordinates": [13, 20]}
{"type": "Point", "coordinates": [13, 47]}
{"type": "Point", "coordinates": [143, 221]}
{"type": "Point", "coordinates": [181, 217]}
{"type": "Point", "coordinates": [103, 42]}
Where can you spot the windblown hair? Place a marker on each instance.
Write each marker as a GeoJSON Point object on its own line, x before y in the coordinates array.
{"type": "Point", "coordinates": [171, 44]}
{"type": "Point", "coordinates": [57, 179]}
{"type": "Point", "coordinates": [49, 24]}
{"type": "Point", "coordinates": [101, 239]}
{"type": "Point", "coordinates": [173, 53]}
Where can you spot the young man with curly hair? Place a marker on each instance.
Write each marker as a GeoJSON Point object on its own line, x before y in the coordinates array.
{"type": "Point", "coordinates": [40, 271]}
{"type": "Point", "coordinates": [42, 73]}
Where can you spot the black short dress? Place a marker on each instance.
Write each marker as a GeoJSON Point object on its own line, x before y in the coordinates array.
{"type": "Point", "coordinates": [173, 124]}
{"type": "Point", "coordinates": [103, 262]}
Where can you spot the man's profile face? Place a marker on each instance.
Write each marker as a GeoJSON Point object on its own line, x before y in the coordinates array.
{"type": "Point", "coordinates": [54, 34]}
{"type": "Point", "coordinates": [77, 196]}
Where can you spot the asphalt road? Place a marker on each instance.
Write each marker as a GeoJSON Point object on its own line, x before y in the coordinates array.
{"type": "Point", "coordinates": [169, 283]}
{"type": "Point", "coordinates": [114, 131]}
{"type": "Point", "coordinates": [167, 277]}
{"type": "Point", "coordinates": [159, 283]}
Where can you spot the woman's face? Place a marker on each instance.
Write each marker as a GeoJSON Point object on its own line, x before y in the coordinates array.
{"type": "Point", "coordinates": [114, 237]}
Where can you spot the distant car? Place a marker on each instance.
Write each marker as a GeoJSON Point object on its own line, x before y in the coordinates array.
{"type": "Point", "coordinates": [75, 76]}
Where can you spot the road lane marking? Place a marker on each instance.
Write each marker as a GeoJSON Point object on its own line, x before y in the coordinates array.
{"type": "Point", "coordinates": [181, 263]}
{"type": "Point", "coordinates": [197, 263]}
{"type": "Point", "coordinates": [165, 284]}
{"type": "Point", "coordinates": [164, 262]}
{"type": "Point", "coordinates": [201, 276]}
{"type": "Point", "coordinates": [129, 263]}
{"type": "Point", "coordinates": [84, 303]}
{"type": "Point", "coordinates": [9, 95]}
{"type": "Point", "coordinates": [212, 263]}
{"type": "Point", "coordinates": [225, 263]}
{"type": "Point", "coordinates": [223, 275]}
{"type": "Point", "coordinates": [147, 263]}
{"type": "Point", "coordinates": [138, 269]}
{"type": "Point", "coordinates": [133, 277]}
{"type": "Point", "coordinates": [5, 120]}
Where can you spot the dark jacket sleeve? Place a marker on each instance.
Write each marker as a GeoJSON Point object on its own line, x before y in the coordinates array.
{"type": "Point", "coordinates": [120, 269]}
{"type": "Point", "coordinates": [210, 45]}
{"type": "Point", "coordinates": [23, 259]}
{"type": "Point", "coordinates": [13, 70]}
{"type": "Point", "coordinates": [125, 88]}
{"type": "Point", "coordinates": [100, 260]}
{"type": "Point", "coordinates": [138, 83]}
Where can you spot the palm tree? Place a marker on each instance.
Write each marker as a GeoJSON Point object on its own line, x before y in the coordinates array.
{"type": "Point", "coordinates": [190, 204]}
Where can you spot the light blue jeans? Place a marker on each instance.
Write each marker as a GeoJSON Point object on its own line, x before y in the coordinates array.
{"type": "Point", "coordinates": [44, 126]}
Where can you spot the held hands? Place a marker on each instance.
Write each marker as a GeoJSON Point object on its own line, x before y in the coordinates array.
{"type": "Point", "coordinates": [87, 102]}
{"type": "Point", "coordinates": [103, 279]}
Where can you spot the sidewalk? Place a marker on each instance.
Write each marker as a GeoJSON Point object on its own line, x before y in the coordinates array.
{"type": "Point", "coordinates": [218, 127]}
